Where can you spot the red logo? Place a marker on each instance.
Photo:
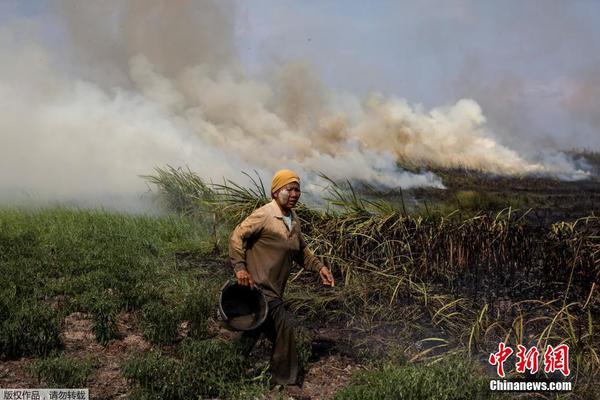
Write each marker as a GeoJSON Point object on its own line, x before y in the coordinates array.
{"type": "Point", "coordinates": [498, 358]}
{"type": "Point", "coordinates": [527, 359]}
{"type": "Point", "coordinates": [555, 359]}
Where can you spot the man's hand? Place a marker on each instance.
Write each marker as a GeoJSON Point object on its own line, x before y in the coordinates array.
{"type": "Point", "coordinates": [326, 276]}
{"type": "Point", "coordinates": [244, 278]}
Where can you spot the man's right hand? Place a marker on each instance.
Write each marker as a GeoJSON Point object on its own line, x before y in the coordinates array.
{"type": "Point", "coordinates": [244, 278]}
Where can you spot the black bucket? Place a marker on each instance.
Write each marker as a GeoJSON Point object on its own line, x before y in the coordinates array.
{"type": "Point", "coordinates": [242, 308]}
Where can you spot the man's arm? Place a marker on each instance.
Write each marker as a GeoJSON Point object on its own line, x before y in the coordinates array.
{"type": "Point", "coordinates": [238, 239]}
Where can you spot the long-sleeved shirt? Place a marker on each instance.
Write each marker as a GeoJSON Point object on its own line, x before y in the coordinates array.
{"type": "Point", "coordinates": [264, 246]}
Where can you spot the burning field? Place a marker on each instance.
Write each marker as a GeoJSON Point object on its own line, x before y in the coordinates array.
{"type": "Point", "coordinates": [94, 96]}
{"type": "Point", "coordinates": [125, 304]}
{"type": "Point", "coordinates": [135, 135]}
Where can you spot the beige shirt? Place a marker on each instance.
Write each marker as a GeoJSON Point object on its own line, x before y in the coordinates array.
{"type": "Point", "coordinates": [263, 245]}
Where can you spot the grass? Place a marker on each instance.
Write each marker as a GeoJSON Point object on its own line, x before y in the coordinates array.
{"type": "Point", "coordinates": [97, 263]}
{"type": "Point", "coordinates": [469, 192]}
{"type": "Point", "coordinates": [206, 369]}
{"type": "Point", "coordinates": [159, 323]}
{"type": "Point", "coordinates": [197, 308]}
{"type": "Point", "coordinates": [451, 379]}
{"type": "Point", "coordinates": [62, 371]}
{"type": "Point", "coordinates": [28, 328]}
{"type": "Point", "coordinates": [471, 203]}
{"type": "Point", "coordinates": [103, 265]}
{"type": "Point", "coordinates": [458, 282]}
{"type": "Point", "coordinates": [476, 276]}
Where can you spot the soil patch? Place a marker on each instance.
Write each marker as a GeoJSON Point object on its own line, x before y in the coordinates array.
{"type": "Point", "coordinates": [106, 382]}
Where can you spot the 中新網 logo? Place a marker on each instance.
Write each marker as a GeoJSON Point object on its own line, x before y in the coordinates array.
{"type": "Point", "coordinates": [554, 359]}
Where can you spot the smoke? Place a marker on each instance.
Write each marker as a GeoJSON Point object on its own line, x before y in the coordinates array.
{"type": "Point", "coordinates": [537, 77]}
{"type": "Point", "coordinates": [139, 84]}
{"type": "Point", "coordinates": [583, 97]}
{"type": "Point", "coordinates": [172, 35]}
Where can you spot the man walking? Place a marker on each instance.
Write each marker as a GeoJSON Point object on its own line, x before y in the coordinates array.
{"type": "Point", "coordinates": [261, 250]}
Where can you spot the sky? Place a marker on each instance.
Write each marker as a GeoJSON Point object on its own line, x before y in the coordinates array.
{"type": "Point", "coordinates": [531, 65]}
{"type": "Point", "coordinates": [96, 94]}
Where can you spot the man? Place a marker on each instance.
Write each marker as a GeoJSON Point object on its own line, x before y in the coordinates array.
{"type": "Point", "coordinates": [261, 250]}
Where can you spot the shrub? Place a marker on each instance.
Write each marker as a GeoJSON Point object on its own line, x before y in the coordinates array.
{"type": "Point", "coordinates": [62, 371]}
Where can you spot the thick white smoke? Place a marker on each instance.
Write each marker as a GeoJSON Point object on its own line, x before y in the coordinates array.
{"type": "Point", "coordinates": [134, 96]}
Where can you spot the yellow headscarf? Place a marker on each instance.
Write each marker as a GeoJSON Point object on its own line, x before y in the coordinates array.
{"type": "Point", "coordinates": [282, 178]}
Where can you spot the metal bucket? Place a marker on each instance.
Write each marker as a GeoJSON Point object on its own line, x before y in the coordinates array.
{"type": "Point", "coordinates": [242, 308]}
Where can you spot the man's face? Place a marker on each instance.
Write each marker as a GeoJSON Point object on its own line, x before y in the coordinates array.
{"type": "Point", "coordinates": [288, 195]}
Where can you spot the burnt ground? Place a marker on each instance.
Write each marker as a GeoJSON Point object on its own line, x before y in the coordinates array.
{"type": "Point", "coordinates": [551, 200]}
{"type": "Point", "coordinates": [329, 369]}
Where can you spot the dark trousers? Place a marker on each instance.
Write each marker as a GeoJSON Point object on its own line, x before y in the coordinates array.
{"type": "Point", "coordinates": [279, 329]}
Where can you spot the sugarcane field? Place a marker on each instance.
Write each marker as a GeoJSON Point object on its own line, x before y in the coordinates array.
{"type": "Point", "coordinates": [299, 200]}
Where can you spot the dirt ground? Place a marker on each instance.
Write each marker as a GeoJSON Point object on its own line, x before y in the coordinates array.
{"type": "Point", "coordinates": [325, 376]}
{"type": "Point", "coordinates": [79, 341]}
{"type": "Point", "coordinates": [327, 371]}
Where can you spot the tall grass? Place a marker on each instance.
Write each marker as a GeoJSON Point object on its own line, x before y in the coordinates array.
{"type": "Point", "coordinates": [478, 279]}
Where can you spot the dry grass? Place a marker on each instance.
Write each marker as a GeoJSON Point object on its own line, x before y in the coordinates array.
{"type": "Point", "coordinates": [477, 280]}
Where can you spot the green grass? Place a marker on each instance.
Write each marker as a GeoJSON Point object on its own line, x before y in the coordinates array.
{"type": "Point", "coordinates": [450, 379]}
{"type": "Point", "coordinates": [96, 262]}
{"type": "Point", "coordinates": [62, 371]}
{"type": "Point", "coordinates": [159, 323]}
{"type": "Point", "coordinates": [28, 328]}
{"type": "Point", "coordinates": [206, 369]}
{"type": "Point", "coordinates": [197, 307]}
{"type": "Point", "coordinates": [106, 264]}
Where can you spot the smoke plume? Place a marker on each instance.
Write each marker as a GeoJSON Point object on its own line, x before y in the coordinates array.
{"type": "Point", "coordinates": [138, 84]}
